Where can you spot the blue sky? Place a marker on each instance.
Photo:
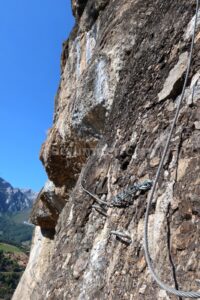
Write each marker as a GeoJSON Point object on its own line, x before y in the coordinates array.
{"type": "Point", "coordinates": [31, 36]}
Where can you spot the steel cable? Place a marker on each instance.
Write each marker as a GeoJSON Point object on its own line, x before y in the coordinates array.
{"type": "Point", "coordinates": [164, 286]}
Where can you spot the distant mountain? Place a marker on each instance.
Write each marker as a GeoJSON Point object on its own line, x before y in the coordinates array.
{"type": "Point", "coordinates": [15, 199]}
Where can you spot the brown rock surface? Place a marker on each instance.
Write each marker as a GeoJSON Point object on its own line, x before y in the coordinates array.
{"type": "Point", "coordinates": [122, 74]}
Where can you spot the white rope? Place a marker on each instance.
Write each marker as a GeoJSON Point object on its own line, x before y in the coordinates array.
{"type": "Point", "coordinates": [146, 242]}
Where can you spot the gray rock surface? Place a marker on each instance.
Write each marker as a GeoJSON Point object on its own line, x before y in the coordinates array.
{"type": "Point", "coordinates": [122, 73]}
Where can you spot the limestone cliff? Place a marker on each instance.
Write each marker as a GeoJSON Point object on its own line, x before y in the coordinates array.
{"type": "Point", "coordinates": [122, 72]}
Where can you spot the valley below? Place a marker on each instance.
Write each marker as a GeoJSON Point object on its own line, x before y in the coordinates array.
{"type": "Point", "coordinates": [15, 235]}
{"type": "Point", "coordinates": [13, 261]}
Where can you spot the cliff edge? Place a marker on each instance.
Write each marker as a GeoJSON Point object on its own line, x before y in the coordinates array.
{"type": "Point", "coordinates": [122, 72]}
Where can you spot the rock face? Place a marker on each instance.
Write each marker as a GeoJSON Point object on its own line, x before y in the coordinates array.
{"type": "Point", "coordinates": [122, 73]}
{"type": "Point", "coordinates": [14, 199]}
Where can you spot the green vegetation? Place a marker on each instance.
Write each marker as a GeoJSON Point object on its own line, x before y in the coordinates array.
{"type": "Point", "coordinates": [9, 248]}
{"type": "Point", "coordinates": [10, 273]}
{"type": "Point", "coordinates": [20, 217]}
{"type": "Point", "coordinates": [12, 229]}
{"type": "Point", "coordinates": [15, 238]}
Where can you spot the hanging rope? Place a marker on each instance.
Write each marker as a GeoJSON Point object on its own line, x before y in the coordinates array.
{"type": "Point", "coordinates": [126, 197]}
{"type": "Point", "coordinates": [146, 242]}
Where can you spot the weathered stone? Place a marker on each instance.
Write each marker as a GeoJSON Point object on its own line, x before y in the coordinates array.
{"type": "Point", "coordinates": [109, 131]}
{"type": "Point", "coordinates": [42, 216]}
{"type": "Point", "coordinates": [48, 206]}
{"type": "Point", "coordinates": [78, 7]}
{"type": "Point", "coordinates": [182, 168]}
{"type": "Point", "coordinates": [155, 162]}
{"type": "Point", "coordinates": [80, 265]}
{"type": "Point", "coordinates": [39, 261]}
{"type": "Point", "coordinates": [173, 80]}
{"type": "Point", "coordinates": [190, 27]}
{"type": "Point", "coordinates": [197, 125]}
{"type": "Point", "coordinates": [142, 289]}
